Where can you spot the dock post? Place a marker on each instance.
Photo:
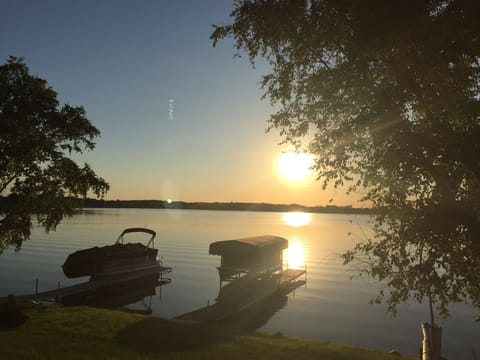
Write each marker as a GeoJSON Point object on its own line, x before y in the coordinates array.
{"type": "Point", "coordinates": [57, 298]}
{"type": "Point", "coordinates": [161, 265]}
{"type": "Point", "coordinates": [36, 286]}
{"type": "Point", "coordinates": [305, 275]}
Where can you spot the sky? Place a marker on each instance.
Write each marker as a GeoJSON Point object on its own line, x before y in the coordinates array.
{"type": "Point", "coordinates": [179, 119]}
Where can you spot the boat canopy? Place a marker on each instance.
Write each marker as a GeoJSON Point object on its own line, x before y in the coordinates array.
{"type": "Point", "coordinates": [253, 255]}
{"type": "Point", "coordinates": [249, 245]}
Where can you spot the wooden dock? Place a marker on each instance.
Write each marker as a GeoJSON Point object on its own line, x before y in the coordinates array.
{"type": "Point", "coordinates": [99, 283]}
{"type": "Point", "coordinates": [241, 294]}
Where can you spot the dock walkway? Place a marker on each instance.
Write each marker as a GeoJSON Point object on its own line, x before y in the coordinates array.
{"type": "Point", "coordinates": [98, 283]}
{"type": "Point", "coordinates": [236, 297]}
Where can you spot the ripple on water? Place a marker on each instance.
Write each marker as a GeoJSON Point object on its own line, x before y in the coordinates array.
{"type": "Point", "coordinates": [330, 307]}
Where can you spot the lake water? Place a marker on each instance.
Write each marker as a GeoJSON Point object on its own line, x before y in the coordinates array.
{"type": "Point", "coordinates": [331, 306]}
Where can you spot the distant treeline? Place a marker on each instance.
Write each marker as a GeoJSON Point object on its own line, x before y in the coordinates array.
{"type": "Point", "coordinates": [232, 206]}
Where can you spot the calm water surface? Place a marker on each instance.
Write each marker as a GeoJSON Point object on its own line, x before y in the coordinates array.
{"type": "Point", "coordinates": [331, 307]}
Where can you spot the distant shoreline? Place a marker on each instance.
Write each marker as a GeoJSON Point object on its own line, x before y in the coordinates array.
{"type": "Point", "coordinates": [225, 206]}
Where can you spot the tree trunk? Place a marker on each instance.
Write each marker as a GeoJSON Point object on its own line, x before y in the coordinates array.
{"type": "Point", "coordinates": [432, 342]}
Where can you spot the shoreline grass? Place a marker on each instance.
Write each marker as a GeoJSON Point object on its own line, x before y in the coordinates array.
{"type": "Point", "coordinates": [54, 332]}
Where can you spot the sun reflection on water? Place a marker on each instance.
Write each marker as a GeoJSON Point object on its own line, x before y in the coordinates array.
{"type": "Point", "coordinates": [295, 255]}
{"type": "Point", "coordinates": [297, 218]}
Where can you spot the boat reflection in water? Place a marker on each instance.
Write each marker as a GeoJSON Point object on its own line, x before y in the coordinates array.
{"type": "Point", "coordinates": [257, 285]}
{"type": "Point", "coordinates": [119, 295]}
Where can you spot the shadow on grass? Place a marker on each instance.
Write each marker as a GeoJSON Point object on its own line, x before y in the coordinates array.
{"type": "Point", "coordinates": [154, 335]}
{"type": "Point", "coordinates": [11, 315]}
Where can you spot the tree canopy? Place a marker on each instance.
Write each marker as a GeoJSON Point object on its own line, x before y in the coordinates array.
{"type": "Point", "coordinates": [386, 94]}
{"type": "Point", "coordinates": [37, 136]}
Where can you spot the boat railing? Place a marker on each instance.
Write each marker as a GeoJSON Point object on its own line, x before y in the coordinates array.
{"type": "Point", "coordinates": [131, 230]}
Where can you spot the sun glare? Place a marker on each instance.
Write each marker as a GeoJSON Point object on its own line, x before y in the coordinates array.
{"type": "Point", "coordinates": [295, 166]}
{"type": "Point", "coordinates": [295, 255]}
{"type": "Point", "coordinates": [297, 219]}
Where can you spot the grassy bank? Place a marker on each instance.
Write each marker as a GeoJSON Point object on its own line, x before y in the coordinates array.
{"type": "Point", "coordinates": [86, 333]}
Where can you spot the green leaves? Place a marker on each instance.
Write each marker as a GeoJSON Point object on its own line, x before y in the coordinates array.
{"type": "Point", "coordinates": [386, 93]}
{"type": "Point", "coordinates": [36, 136]}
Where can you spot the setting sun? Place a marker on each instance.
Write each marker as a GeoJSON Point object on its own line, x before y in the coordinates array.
{"type": "Point", "coordinates": [295, 166]}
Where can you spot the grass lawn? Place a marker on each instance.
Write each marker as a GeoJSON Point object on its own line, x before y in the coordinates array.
{"type": "Point", "coordinates": [53, 332]}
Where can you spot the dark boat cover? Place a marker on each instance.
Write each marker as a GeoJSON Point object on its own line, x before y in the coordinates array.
{"type": "Point", "coordinates": [90, 261]}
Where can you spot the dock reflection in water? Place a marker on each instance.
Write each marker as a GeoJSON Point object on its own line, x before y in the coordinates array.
{"type": "Point", "coordinates": [258, 314]}
{"type": "Point", "coordinates": [119, 295]}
